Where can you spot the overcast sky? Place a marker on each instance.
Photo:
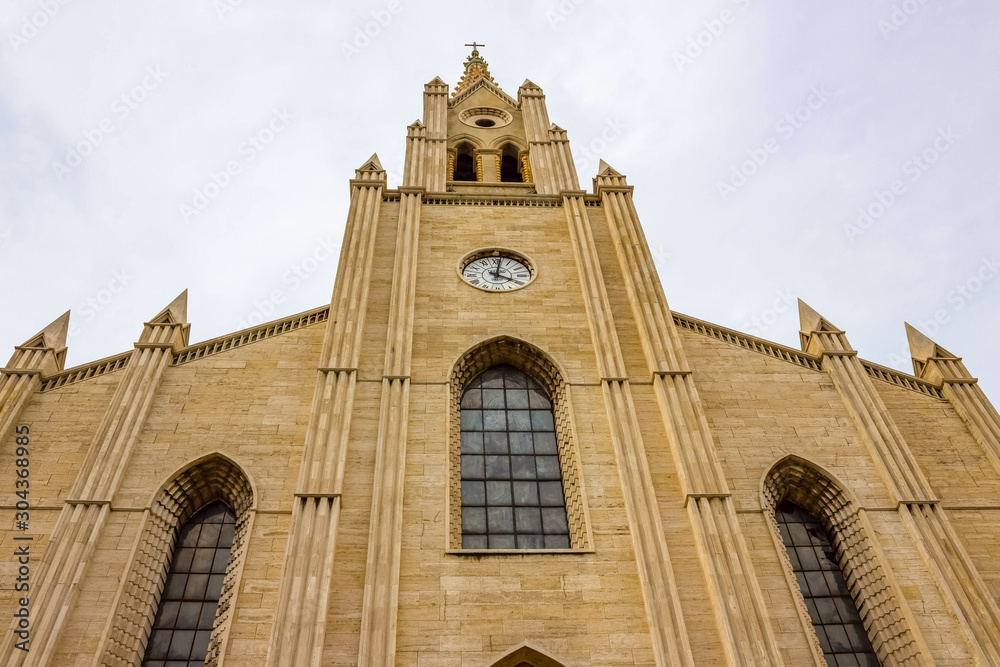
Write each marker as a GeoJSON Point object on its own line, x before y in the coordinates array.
{"type": "Point", "coordinates": [845, 153]}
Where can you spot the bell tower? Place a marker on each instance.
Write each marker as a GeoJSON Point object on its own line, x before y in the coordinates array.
{"type": "Point", "coordinates": [482, 140]}
{"type": "Point", "coordinates": [497, 337]}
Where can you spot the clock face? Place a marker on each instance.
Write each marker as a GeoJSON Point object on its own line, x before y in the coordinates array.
{"type": "Point", "coordinates": [497, 273]}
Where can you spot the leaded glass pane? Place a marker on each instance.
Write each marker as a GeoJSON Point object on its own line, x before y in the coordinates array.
{"type": "Point", "coordinates": [520, 443]}
{"type": "Point", "coordinates": [512, 493]}
{"type": "Point", "coordinates": [831, 608]}
{"type": "Point", "coordinates": [182, 628]}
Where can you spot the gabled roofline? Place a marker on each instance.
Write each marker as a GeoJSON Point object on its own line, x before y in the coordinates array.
{"type": "Point", "coordinates": [192, 352]}
{"type": "Point", "coordinates": [800, 358]}
{"type": "Point", "coordinates": [488, 85]}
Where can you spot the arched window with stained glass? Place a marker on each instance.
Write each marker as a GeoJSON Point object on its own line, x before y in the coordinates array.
{"type": "Point", "coordinates": [512, 488]}
{"type": "Point", "coordinates": [834, 614]}
{"type": "Point", "coordinates": [186, 615]}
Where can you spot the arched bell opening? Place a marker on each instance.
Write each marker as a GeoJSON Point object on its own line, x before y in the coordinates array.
{"type": "Point", "coordinates": [510, 165]}
{"type": "Point", "coordinates": [465, 162]}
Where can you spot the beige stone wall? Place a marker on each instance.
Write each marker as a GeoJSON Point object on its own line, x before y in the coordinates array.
{"type": "Point", "coordinates": [958, 471]}
{"type": "Point", "coordinates": [252, 404]}
{"type": "Point", "coordinates": [762, 409]}
{"type": "Point", "coordinates": [454, 609]}
{"type": "Point", "coordinates": [62, 423]}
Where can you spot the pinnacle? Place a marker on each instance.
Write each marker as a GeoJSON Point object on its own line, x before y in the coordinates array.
{"type": "Point", "coordinates": [53, 336]}
{"type": "Point", "coordinates": [528, 83]}
{"type": "Point", "coordinates": [811, 321]}
{"type": "Point", "coordinates": [372, 164]}
{"type": "Point", "coordinates": [605, 169]}
{"type": "Point", "coordinates": [436, 81]}
{"type": "Point", "coordinates": [923, 348]}
{"type": "Point", "coordinates": [175, 312]}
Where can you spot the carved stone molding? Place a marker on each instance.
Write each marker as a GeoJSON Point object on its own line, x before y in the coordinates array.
{"type": "Point", "coordinates": [532, 361]}
{"type": "Point", "coordinates": [211, 478]}
{"type": "Point", "coordinates": [887, 620]}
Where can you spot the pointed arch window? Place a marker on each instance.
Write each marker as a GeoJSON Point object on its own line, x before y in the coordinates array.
{"type": "Point", "coordinates": [834, 615]}
{"type": "Point", "coordinates": [183, 625]}
{"type": "Point", "coordinates": [188, 562]}
{"type": "Point", "coordinates": [512, 493]}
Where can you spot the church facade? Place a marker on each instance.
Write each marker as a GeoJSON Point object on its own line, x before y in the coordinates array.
{"type": "Point", "coordinates": [496, 446]}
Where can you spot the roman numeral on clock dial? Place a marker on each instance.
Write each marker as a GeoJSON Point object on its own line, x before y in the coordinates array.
{"type": "Point", "coordinates": [497, 273]}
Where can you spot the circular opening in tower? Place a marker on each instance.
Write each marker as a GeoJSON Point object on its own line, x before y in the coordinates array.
{"type": "Point", "coordinates": [485, 117]}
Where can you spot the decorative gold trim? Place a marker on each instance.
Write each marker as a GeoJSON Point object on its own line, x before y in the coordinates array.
{"type": "Point", "coordinates": [479, 167]}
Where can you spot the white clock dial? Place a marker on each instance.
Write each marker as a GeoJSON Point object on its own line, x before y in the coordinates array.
{"type": "Point", "coordinates": [496, 273]}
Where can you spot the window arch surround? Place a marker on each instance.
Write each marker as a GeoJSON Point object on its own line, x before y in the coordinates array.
{"type": "Point", "coordinates": [886, 618]}
{"type": "Point", "coordinates": [530, 360]}
{"type": "Point", "coordinates": [202, 482]}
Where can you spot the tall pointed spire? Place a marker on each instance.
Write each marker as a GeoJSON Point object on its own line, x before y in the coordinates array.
{"type": "Point", "coordinates": [475, 69]}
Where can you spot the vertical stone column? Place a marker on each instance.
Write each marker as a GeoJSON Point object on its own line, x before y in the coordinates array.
{"type": "Point", "coordinates": [436, 169]}
{"type": "Point", "coordinates": [940, 546]}
{"type": "Point", "coordinates": [41, 355]}
{"type": "Point", "coordinates": [540, 149]}
{"type": "Point", "coordinates": [300, 620]}
{"type": "Point", "coordinates": [562, 159]}
{"type": "Point", "coordinates": [381, 598]}
{"type": "Point", "coordinates": [937, 365]}
{"type": "Point", "coordinates": [78, 528]}
{"type": "Point", "coordinates": [736, 594]}
{"type": "Point", "coordinates": [415, 167]}
{"type": "Point", "coordinates": [659, 588]}
{"type": "Point", "coordinates": [491, 164]}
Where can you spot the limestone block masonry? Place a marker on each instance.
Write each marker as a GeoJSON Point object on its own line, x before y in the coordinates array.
{"type": "Point", "coordinates": [337, 438]}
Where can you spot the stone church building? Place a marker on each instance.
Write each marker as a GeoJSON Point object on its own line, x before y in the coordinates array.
{"type": "Point", "coordinates": [496, 446]}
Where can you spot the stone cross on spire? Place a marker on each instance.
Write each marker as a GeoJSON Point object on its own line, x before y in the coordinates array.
{"type": "Point", "coordinates": [475, 69]}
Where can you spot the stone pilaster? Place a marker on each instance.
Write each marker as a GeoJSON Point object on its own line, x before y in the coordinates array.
{"type": "Point", "coordinates": [937, 365]}
{"type": "Point", "coordinates": [736, 594]}
{"type": "Point", "coordinates": [490, 158]}
{"type": "Point", "coordinates": [659, 588]}
{"type": "Point", "coordinates": [41, 355]}
{"type": "Point", "coordinates": [82, 518]}
{"type": "Point", "coordinates": [562, 159]}
{"type": "Point", "coordinates": [381, 598]}
{"type": "Point", "coordinates": [436, 169]}
{"type": "Point", "coordinates": [300, 620]}
{"type": "Point", "coordinates": [940, 546]}
{"type": "Point", "coordinates": [415, 165]}
{"type": "Point", "coordinates": [542, 154]}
